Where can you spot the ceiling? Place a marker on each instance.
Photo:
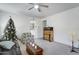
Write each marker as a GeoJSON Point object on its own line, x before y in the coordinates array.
{"type": "Point", "coordinates": [22, 8]}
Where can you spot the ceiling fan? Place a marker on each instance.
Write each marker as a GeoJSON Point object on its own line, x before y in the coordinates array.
{"type": "Point", "coordinates": [37, 6]}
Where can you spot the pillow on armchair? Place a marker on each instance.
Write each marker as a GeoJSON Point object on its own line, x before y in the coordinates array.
{"type": "Point", "coordinates": [7, 44]}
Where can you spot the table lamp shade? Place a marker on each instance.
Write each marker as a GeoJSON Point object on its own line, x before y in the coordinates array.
{"type": "Point", "coordinates": [73, 35]}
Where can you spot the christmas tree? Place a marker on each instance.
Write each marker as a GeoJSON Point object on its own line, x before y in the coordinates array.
{"type": "Point", "coordinates": [10, 31]}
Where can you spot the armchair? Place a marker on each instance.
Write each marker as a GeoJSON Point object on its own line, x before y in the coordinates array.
{"type": "Point", "coordinates": [27, 37]}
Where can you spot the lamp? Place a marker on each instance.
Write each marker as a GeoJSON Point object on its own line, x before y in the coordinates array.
{"type": "Point", "coordinates": [73, 35]}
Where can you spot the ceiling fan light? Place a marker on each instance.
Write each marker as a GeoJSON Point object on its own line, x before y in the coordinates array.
{"type": "Point", "coordinates": [36, 6]}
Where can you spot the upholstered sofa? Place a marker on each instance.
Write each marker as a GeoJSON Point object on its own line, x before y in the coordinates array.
{"type": "Point", "coordinates": [15, 49]}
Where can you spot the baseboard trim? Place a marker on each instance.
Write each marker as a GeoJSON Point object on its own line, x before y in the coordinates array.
{"type": "Point", "coordinates": [39, 38]}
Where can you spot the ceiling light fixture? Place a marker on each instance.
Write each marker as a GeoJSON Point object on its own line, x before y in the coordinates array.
{"type": "Point", "coordinates": [36, 6]}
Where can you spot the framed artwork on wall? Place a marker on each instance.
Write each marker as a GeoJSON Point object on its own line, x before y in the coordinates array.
{"type": "Point", "coordinates": [44, 23]}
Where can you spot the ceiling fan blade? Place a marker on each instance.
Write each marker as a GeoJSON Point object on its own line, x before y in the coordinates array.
{"type": "Point", "coordinates": [39, 10]}
{"type": "Point", "coordinates": [31, 3]}
{"type": "Point", "coordinates": [30, 8]}
{"type": "Point", "coordinates": [44, 6]}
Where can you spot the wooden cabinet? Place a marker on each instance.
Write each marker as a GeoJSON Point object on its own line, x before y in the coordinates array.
{"type": "Point", "coordinates": [48, 33]}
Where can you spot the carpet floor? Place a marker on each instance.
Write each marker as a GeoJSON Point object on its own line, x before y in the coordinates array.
{"type": "Point", "coordinates": [50, 48]}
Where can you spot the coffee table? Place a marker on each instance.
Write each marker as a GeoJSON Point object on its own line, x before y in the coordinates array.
{"type": "Point", "coordinates": [32, 51]}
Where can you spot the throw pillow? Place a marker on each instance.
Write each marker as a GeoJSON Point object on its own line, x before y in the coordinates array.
{"type": "Point", "coordinates": [7, 44]}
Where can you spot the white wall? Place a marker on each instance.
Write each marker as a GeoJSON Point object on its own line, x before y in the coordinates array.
{"type": "Point", "coordinates": [21, 22]}
{"type": "Point", "coordinates": [0, 21]}
{"type": "Point", "coordinates": [39, 28]}
{"type": "Point", "coordinates": [0, 27]}
{"type": "Point", "coordinates": [64, 23]}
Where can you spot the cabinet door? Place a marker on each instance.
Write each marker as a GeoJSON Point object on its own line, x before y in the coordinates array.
{"type": "Point", "coordinates": [48, 34]}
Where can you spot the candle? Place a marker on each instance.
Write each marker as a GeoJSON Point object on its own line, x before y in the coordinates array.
{"type": "Point", "coordinates": [35, 47]}
{"type": "Point", "coordinates": [30, 43]}
{"type": "Point", "coordinates": [33, 44]}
